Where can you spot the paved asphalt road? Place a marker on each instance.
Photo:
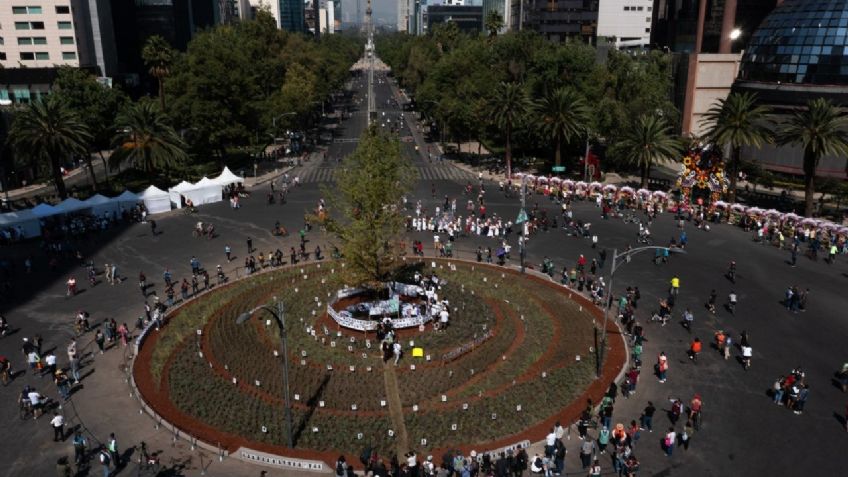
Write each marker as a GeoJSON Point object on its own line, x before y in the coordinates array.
{"type": "Point", "coordinates": [743, 432]}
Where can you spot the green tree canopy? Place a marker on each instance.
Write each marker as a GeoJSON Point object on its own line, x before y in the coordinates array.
{"type": "Point", "coordinates": [145, 140]}
{"type": "Point", "coordinates": [366, 212]}
{"type": "Point", "coordinates": [737, 121]}
{"type": "Point", "coordinates": [647, 142]}
{"type": "Point", "coordinates": [51, 132]}
{"type": "Point", "coordinates": [820, 129]}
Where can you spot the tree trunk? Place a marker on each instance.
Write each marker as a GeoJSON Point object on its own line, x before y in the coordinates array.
{"type": "Point", "coordinates": [90, 167]}
{"type": "Point", "coordinates": [162, 93]}
{"type": "Point", "coordinates": [645, 172]}
{"type": "Point", "coordinates": [558, 153]}
{"type": "Point", "coordinates": [809, 181]}
{"type": "Point", "coordinates": [734, 174]}
{"type": "Point", "coordinates": [105, 166]}
{"type": "Point", "coordinates": [57, 177]}
{"type": "Point", "coordinates": [508, 152]}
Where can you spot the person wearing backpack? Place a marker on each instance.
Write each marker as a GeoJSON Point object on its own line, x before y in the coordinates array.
{"type": "Point", "coordinates": [341, 466]}
{"type": "Point", "coordinates": [105, 460]}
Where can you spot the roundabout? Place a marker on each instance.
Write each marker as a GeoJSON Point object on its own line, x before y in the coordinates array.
{"type": "Point", "coordinates": [517, 357]}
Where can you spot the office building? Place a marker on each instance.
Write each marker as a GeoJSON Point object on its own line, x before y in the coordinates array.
{"type": "Point", "coordinates": [469, 19]}
{"type": "Point", "coordinates": [628, 22]}
{"type": "Point", "coordinates": [37, 34]}
{"type": "Point", "coordinates": [403, 15]}
{"type": "Point", "coordinates": [556, 20]}
{"type": "Point", "coordinates": [290, 15]}
{"type": "Point", "coordinates": [799, 53]}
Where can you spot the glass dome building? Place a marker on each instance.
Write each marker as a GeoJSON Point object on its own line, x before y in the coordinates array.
{"type": "Point", "coordinates": [799, 52]}
{"type": "Point", "coordinates": [800, 48]}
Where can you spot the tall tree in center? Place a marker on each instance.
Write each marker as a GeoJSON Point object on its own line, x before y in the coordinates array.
{"type": "Point", "coordinates": [508, 107]}
{"type": "Point", "coordinates": [563, 115]}
{"type": "Point", "coordinates": [159, 57]}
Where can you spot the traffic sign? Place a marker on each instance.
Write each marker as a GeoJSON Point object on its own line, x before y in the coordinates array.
{"type": "Point", "coordinates": [558, 169]}
{"type": "Point", "coordinates": [522, 217]}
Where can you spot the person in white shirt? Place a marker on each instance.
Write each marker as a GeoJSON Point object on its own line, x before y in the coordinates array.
{"type": "Point", "coordinates": [58, 423]}
{"type": "Point", "coordinates": [397, 351]}
{"type": "Point", "coordinates": [35, 400]}
{"type": "Point", "coordinates": [550, 443]}
{"type": "Point", "coordinates": [444, 317]}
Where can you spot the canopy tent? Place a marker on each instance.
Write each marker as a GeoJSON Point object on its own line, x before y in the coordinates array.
{"type": "Point", "coordinates": [227, 177]}
{"type": "Point", "coordinates": [70, 205]}
{"type": "Point", "coordinates": [24, 221]}
{"type": "Point", "coordinates": [44, 210]}
{"type": "Point", "coordinates": [208, 191]}
{"type": "Point", "coordinates": [100, 204]}
{"type": "Point", "coordinates": [155, 200]}
{"type": "Point", "coordinates": [126, 197]}
{"type": "Point", "coordinates": [179, 190]}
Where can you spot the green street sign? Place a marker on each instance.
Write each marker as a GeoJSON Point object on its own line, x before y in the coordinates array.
{"type": "Point", "coordinates": [522, 217]}
{"type": "Point", "coordinates": [558, 169]}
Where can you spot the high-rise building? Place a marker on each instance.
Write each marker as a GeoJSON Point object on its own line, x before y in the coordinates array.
{"type": "Point", "coordinates": [627, 21]}
{"type": "Point", "coordinates": [556, 20]}
{"type": "Point", "coordinates": [468, 18]}
{"type": "Point", "coordinates": [37, 34]}
{"type": "Point", "coordinates": [402, 15]}
{"type": "Point", "coordinates": [291, 15]}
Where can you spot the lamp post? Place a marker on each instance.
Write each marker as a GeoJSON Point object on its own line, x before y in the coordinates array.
{"type": "Point", "coordinates": [599, 350]}
{"type": "Point", "coordinates": [279, 316]}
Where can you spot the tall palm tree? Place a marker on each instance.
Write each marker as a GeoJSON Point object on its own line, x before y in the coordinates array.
{"type": "Point", "coordinates": [493, 23]}
{"type": "Point", "coordinates": [48, 130]}
{"type": "Point", "coordinates": [510, 104]}
{"type": "Point", "coordinates": [820, 129]}
{"type": "Point", "coordinates": [647, 142]}
{"type": "Point", "coordinates": [563, 114]}
{"type": "Point", "coordinates": [146, 140]}
{"type": "Point", "coordinates": [737, 121]}
{"type": "Point", "coordinates": [159, 57]}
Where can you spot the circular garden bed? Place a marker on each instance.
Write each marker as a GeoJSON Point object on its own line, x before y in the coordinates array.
{"type": "Point", "coordinates": [526, 361]}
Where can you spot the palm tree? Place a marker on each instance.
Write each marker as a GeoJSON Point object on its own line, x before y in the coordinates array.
{"type": "Point", "coordinates": [158, 56]}
{"type": "Point", "coordinates": [564, 115]}
{"type": "Point", "coordinates": [494, 22]}
{"type": "Point", "coordinates": [649, 141]}
{"type": "Point", "coordinates": [145, 139]}
{"type": "Point", "coordinates": [508, 107]}
{"type": "Point", "coordinates": [820, 129]}
{"type": "Point", "coordinates": [737, 121]}
{"type": "Point", "coordinates": [49, 130]}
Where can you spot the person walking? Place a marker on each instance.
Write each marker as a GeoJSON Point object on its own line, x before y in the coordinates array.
{"type": "Point", "coordinates": [100, 339]}
{"type": "Point", "coordinates": [670, 441]}
{"type": "Point", "coordinates": [603, 439]}
{"type": "Point", "coordinates": [58, 424]}
{"type": "Point", "coordinates": [105, 461]}
{"type": "Point", "coordinates": [228, 253]}
{"type": "Point", "coordinates": [249, 246]}
{"type": "Point", "coordinates": [112, 446]}
{"type": "Point", "coordinates": [675, 286]}
{"type": "Point", "coordinates": [79, 448]}
{"type": "Point", "coordinates": [647, 417]}
{"type": "Point", "coordinates": [686, 437]}
{"type": "Point", "coordinates": [587, 450]}
{"type": "Point", "coordinates": [662, 366]}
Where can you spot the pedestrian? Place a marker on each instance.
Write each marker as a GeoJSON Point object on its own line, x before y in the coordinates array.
{"type": "Point", "coordinates": [802, 399]}
{"type": "Point", "coordinates": [688, 430]}
{"type": "Point", "coordinates": [142, 283]}
{"type": "Point", "coordinates": [62, 384]}
{"type": "Point", "coordinates": [124, 333]}
{"type": "Point", "coordinates": [105, 461]}
{"type": "Point", "coordinates": [662, 366]}
{"type": "Point", "coordinates": [669, 441]}
{"type": "Point", "coordinates": [587, 450]}
{"type": "Point", "coordinates": [603, 439]}
{"type": "Point", "coordinates": [58, 423]}
{"type": "Point", "coordinates": [112, 445]}
{"type": "Point", "coordinates": [79, 448]}
{"type": "Point", "coordinates": [777, 390]}
{"type": "Point", "coordinates": [228, 253]}
{"type": "Point", "coordinates": [249, 245]}
{"type": "Point", "coordinates": [100, 339]}
{"type": "Point", "coordinates": [75, 369]}
{"type": "Point", "coordinates": [648, 417]}
{"type": "Point", "coordinates": [49, 364]}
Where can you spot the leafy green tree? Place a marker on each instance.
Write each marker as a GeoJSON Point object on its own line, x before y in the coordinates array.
{"type": "Point", "coordinates": [159, 58]}
{"type": "Point", "coordinates": [820, 130]}
{"type": "Point", "coordinates": [563, 115]}
{"type": "Point", "coordinates": [48, 130]}
{"type": "Point", "coordinates": [97, 106]}
{"type": "Point", "coordinates": [493, 22]}
{"type": "Point", "coordinates": [737, 121]}
{"type": "Point", "coordinates": [509, 106]}
{"type": "Point", "coordinates": [647, 142]}
{"type": "Point", "coordinates": [145, 140]}
{"type": "Point", "coordinates": [366, 212]}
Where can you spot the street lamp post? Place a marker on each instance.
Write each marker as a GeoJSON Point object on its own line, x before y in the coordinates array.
{"type": "Point", "coordinates": [279, 316]}
{"type": "Point", "coordinates": [599, 350]}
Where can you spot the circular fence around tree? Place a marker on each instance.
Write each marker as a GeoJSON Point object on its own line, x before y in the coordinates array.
{"type": "Point", "coordinates": [516, 357]}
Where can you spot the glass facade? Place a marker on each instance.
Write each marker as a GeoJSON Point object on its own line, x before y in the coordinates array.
{"type": "Point", "coordinates": [801, 41]}
{"type": "Point", "coordinates": [292, 16]}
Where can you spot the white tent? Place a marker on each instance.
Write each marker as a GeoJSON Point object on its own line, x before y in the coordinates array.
{"type": "Point", "coordinates": [126, 197]}
{"type": "Point", "coordinates": [155, 200]}
{"type": "Point", "coordinates": [207, 192]}
{"type": "Point", "coordinates": [70, 205]}
{"type": "Point", "coordinates": [44, 210]}
{"type": "Point", "coordinates": [28, 222]}
{"type": "Point", "coordinates": [227, 177]}
{"type": "Point", "coordinates": [100, 204]}
{"type": "Point", "coordinates": [181, 189]}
